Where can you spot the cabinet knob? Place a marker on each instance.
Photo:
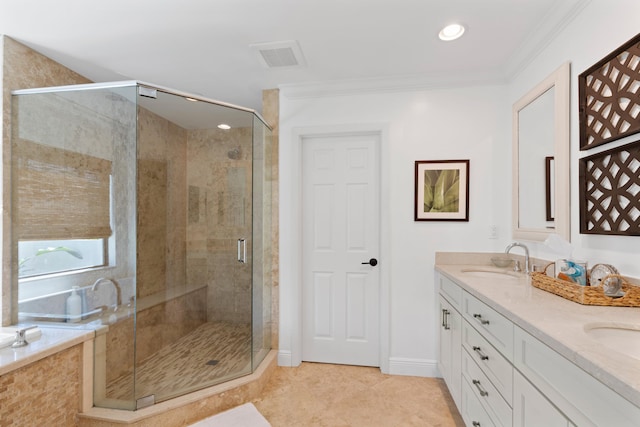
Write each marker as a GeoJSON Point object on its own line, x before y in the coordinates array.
{"type": "Point", "coordinates": [480, 353]}
{"type": "Point", "coordinates": [479, 317]}
{"type": "Point", "coordinates": [482, 391]}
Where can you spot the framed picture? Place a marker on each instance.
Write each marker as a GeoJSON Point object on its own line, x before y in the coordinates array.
{"type": "Point", "coordinates": [442, 190]}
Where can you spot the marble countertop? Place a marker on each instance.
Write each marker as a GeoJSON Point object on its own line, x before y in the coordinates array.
{"type": "Point", "coordinates": [557, 322]}
{"type": "Point", "coordinates": [50, 341]}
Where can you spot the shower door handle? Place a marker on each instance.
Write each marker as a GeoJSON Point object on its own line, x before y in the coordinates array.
{"type": "Point", "coordinates": [242, 250]}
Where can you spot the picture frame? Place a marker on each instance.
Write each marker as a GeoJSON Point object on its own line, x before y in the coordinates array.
{"type": "Point", "coordinates": [441, 190]}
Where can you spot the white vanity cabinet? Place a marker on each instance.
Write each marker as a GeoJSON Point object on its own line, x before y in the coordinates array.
{"type": "Point", "coordinates": [449, 362]}
{"type": "Point", "coordinates": [585, 400]}
{"type": "Point", "coordinates": [499, 374]}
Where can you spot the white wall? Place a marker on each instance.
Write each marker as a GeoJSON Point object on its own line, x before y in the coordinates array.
{"type": "Point", "coordinates": [461, 123]}
{"type": "Point", "coordinates": [601, 27]}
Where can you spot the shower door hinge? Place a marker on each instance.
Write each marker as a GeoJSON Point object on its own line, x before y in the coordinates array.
{"type": "Point", "coordinates": [143, 402]}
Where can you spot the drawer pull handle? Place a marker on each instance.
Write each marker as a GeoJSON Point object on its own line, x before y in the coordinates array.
{"type": "Point", "coordinates": [482, 391]}
{"type": "Point", "coordinates": [475, 424]}
{"type": "Point", "coordinates": [480, 353]}
{"type": "Point", "coordinates": [445, 318]}
{"type": "Point", "coordinates": [479, 317]}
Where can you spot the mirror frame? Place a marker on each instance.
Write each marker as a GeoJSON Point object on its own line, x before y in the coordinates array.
{"type": "Point", "coordinates": [560, 80]}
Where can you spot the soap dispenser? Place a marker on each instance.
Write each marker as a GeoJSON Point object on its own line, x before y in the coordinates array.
{"type": "Point", "coordinates": [74, 306]}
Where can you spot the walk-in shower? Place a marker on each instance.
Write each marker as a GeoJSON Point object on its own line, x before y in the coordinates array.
{"type": "Point", "coordinates": [154, 208]}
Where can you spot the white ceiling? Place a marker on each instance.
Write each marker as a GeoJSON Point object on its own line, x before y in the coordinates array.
{"type": "Point", "coordinates": [203, 46]}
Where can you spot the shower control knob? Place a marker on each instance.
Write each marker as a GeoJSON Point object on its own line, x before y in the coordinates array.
{"type": "Point", "coordinates": [372, 262]}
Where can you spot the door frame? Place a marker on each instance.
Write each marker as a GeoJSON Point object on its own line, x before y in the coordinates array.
{"type": "Point", "coordinates": [290, 301]}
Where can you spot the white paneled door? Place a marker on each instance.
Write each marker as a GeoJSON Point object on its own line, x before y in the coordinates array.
{"type": "Point", "coordinates": [340, 245]}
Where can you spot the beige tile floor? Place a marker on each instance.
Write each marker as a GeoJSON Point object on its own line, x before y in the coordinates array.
{"type": "Point", "coordinates": [317, 394]}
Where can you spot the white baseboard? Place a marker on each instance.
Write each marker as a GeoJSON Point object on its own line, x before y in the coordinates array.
{"type": "Point", "coordinates": [285, 358]}
{"type": "Point", "coordinates": [397, 365]}
{"type": "Point", "coordinates": [413, 367]}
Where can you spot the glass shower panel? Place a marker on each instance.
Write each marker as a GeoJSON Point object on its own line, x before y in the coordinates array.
{"type": "Point", "coordinates": [73, 200]}
{"type": "Point", "coordinates": [263, 169]}
{"type": "Point", "coordinates": [194, 244]}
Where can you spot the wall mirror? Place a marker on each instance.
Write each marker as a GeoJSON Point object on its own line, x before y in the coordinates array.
{"type": "Point", "coordinates": [541, 159]}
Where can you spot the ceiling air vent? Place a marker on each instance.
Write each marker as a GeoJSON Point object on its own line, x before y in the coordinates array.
{"type": "Point", "coordinates": [279, 54]}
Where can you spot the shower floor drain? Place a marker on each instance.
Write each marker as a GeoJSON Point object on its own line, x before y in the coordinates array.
{"type": "Point", "coordinates": [212, 362]}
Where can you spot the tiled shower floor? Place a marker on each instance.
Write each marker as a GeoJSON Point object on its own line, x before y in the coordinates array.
{"type": "Point", "coordinates": [212, 353]}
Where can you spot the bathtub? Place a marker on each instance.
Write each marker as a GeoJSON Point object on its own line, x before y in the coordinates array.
{"type": "Point", "coordinates": [8, 335]}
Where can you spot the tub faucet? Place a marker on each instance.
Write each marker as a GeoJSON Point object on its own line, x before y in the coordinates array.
{"type": "Point", "coordinates": [526, 255]}
{"type": "Point", "coordinates": [97, 283]}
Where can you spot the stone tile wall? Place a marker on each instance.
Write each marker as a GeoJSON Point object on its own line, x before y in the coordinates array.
{"type": "Point", "coordinates": [46, 393]}
{"type": "Point", "coordinates": [23, 68]}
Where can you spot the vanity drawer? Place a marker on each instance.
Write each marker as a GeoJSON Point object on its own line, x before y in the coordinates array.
{"type": "Point", "coordinates": [472, 411]}
{"type": "Point", "coordinates": [498, 369]}
{"type": "Point", "coordinates": [451, 291]}
{"type": "Point", "coordinates": [496, 328]}
{"type": "Point", "coordinates": [486, 392]}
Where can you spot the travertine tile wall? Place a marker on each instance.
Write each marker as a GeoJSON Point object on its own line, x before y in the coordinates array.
{"type": "Point", "coordinates": [23, 68]}
{"type": "Point", "coordinates": [219, 179]}
{"type": "Point", "coordinates": [46, 393]}
{"type": "Point", "coordinates": [161, 231]}
{"type": "Point", "coordinates": [271, 114]}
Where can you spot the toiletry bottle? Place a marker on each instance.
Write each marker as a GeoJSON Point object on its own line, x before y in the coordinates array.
{"type": "Point", "coordinates": [74, 306]}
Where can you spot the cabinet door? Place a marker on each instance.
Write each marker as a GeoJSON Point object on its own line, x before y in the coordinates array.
{"type": "Point", "coordinates": [532, 409]}
{"type": "Point", "coordinates": [450, 362]}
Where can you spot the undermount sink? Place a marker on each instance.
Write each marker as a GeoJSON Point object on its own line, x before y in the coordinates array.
{"type": "Point", "coordinates": [482, 273]}
{"type": "Point", "coordinates": [623, 339]}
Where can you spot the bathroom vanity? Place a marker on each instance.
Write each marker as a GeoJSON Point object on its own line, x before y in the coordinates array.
{"type": "Point", "coordinates": [515, 355]}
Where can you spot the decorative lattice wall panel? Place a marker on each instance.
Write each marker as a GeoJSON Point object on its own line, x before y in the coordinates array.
{"type": "Point", "coordinates": [609, 95]}
{"type": "Point", "coordinates": [610, 192]}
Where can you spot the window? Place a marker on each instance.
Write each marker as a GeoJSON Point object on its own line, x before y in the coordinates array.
{"type": "Point", "coordinates": [37, 258]}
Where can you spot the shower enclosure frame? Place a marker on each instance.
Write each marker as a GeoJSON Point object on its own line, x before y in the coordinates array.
{"type": "Point", "coordinates": [131, 302]}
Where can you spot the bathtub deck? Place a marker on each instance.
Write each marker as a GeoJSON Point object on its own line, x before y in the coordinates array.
{"type": "Point", "coordinates": [212, 353]}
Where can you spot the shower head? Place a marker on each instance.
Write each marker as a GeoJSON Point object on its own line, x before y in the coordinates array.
{"type": "Point", "coordinates": [234, 154]}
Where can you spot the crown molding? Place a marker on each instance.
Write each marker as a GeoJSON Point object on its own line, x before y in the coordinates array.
{"type": "Point", "coordinates": [561, 14]}
{"type": "Point", "coordinates": [404, 83]}
{"type": "Point", "coordinates": [551, 25]}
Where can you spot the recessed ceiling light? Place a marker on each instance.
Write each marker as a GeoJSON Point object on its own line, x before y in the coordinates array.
{"type": "Point", "coordinates": [224, 126]}
{"type": "Point", "coordinates": [451, 32]}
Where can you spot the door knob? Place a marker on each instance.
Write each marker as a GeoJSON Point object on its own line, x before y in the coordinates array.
{"type": "Point", "coordinates": [372, 262]}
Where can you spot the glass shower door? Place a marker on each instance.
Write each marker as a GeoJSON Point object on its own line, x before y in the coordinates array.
{"type": "Point", "coordinates": [194, 244]}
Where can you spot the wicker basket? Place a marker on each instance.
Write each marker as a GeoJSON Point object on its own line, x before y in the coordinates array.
{"type": "Point", "coordinates": [587, 295]}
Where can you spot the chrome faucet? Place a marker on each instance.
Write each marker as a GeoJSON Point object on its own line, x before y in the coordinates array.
{"type": "Point", "coordinates": [526, 255]}
{"type": "Point", "coordinates": [115, 285]}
